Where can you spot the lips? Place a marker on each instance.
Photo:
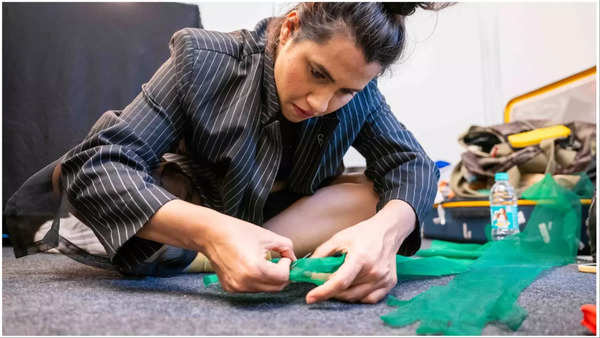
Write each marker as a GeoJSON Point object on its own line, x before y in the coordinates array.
{"type": "Point", "coordinates": [303, 113]}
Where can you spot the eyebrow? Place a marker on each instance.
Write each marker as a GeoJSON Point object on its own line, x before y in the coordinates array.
{"type": "Point", "coordinates": [326, 73]}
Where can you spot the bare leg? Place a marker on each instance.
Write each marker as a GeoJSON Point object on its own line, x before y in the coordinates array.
{"type": "Point", "coordinates": [312, 220]}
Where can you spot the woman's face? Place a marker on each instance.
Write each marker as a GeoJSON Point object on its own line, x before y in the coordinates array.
{"type": "Point", "coordinates": [315, 79]}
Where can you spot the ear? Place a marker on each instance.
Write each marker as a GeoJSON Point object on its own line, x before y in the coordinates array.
{"type": "Point", "coordinates": [290, 25]}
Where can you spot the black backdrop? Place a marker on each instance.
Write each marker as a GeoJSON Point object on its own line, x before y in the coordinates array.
{"type": "Point", "coordinates": [64, 64]}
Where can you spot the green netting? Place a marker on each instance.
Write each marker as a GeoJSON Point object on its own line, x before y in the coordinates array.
{"type": "Point", "coordinates": [584, 187]}
{"type": "Point", "coordinates": [453, 250]}
{"type": "Point", "coordinates": [316, 270]}
{"type": "Point", "coordinates": [311, 270]}
{"type": "Point", "coordinates": [490, 276]}
{"type": "Point", "coordinates": [210, 279]}
{"type": "Point", "coordinates": [409, 268]}
{"type": "Point", "coordinates": [488, 290]}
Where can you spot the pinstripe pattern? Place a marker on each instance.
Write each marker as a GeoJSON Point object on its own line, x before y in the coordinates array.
{"type": "Point", "coordinates": [217, 93]}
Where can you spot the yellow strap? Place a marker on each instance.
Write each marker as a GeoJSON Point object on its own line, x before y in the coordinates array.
{"type": "Point", "coordinates": [471, 204]}
{"type": "Point", "coordinates": [589, 267]}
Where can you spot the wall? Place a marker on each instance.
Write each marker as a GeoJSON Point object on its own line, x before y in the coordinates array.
{"type": "Point", "coordinates": [464, 63]}
{"type": "Point", "coordinates": [544, 42]}
{"type": "Point", "coordinates": [229, 16]}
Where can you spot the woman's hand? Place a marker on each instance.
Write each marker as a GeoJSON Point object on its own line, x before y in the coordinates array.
{"type": "Point", "coordinates": [238, 251]}
{"type": "Point", "coordinates": [369, 270]}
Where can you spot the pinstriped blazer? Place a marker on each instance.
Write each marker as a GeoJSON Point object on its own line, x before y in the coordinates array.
{"type": "Point", "coordinates": [217, 93]}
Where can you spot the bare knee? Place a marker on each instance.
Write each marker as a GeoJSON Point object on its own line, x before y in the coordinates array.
{"type": "Point", "coordinates": [349, 194]}
{"type": "Point", "coordinates": [313, 219]}
{"type": "Point", "coordinates": [356, 186]}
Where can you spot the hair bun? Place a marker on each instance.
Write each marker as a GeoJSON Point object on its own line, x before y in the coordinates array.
{"type": "Point", "coordinates": [400, 8]}
{"type": "Point", "coordinates": [408, 8]}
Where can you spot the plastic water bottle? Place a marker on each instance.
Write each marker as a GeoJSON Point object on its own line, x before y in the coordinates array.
{"type": "Point", "coordinates": [503, 208]}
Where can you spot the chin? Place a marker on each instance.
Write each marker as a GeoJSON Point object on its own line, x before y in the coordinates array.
{"type": "Point", "coordinates": [291, 116]}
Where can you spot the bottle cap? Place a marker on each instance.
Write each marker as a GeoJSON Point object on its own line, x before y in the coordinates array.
{"type": "Point", "coordinates": [501, 177]}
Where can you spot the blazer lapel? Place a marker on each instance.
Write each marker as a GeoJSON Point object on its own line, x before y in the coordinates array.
{"type": "Point", "coordinates": [267, 161]}
{"type": "Point", "coordinates": [267, 150]}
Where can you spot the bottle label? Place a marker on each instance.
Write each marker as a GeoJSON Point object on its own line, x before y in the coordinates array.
{"type": "Point", "coordinates": [504, 217]}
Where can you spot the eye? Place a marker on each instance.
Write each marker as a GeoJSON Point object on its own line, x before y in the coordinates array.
{"type": "Point", "coordinates": [316, 74]}
{"type": "Point", "coordinates": [348, 92]}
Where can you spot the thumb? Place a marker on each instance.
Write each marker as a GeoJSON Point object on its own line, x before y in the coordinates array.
{"type": "Point", "coordinates": [284, 264]}
{"type": "Point", "coordinates": [277, 272]}
{"type": "Point", "coordinates": [328, 248]}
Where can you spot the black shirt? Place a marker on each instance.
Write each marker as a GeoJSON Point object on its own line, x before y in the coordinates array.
{"type": "Point", "coordinates": [290, 140]}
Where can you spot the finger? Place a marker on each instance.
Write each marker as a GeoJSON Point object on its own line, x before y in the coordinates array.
{"type": "Point", "coordinates": [266, 287]}
{"type": "Point", "coordinates": [288, 253]}
{"type": "Point", "coordinates": [284, 247]}
{"type": "Point", "coordinates": [339, 281]}
{"type": "Point", "coordinates": [327, 248]}
{"type": "Point", "coordinates": [256, 286]}
{"type": "Point", "coordinates": [375, 296]}
{"type": "Point", "coordinates": [357, 292]}
{"type": "Point", "coordinates": [276, 273]}
{"type": "Point", "coordinates": [284, 265]}
{"type": "Point", "coordinates": [263, 280]}
{"type": "Point", "coordinates": [276, 276]}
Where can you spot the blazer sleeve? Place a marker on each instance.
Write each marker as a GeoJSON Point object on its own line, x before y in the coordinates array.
{"type": "Point", "coordinates": [107, 178]}
{"type": "Point", "coordinates": [397, 164]}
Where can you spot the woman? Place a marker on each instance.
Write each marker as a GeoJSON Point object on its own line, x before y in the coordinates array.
{"type": "Point", "coordinates": [260, 121]}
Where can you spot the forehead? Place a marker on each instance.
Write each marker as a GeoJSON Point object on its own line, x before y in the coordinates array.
{"type": "Point", "coordinates": [343, 59]}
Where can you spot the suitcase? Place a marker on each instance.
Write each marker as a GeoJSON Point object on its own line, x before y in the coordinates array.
{"type": "Point", "coordinates": [468, 220]}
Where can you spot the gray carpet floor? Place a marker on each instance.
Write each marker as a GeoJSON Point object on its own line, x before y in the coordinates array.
{"type": "Point", "coordinates": [48, 294]}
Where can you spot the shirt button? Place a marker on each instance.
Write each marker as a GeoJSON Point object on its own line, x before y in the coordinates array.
{"type": "Point", "coordinates": [320, 139]}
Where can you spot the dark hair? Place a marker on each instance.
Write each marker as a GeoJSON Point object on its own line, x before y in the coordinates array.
{"type": "Point", "coordinates": [377, 27]}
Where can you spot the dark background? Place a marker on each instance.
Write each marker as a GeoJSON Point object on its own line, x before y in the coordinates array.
{"type": "Point", "coordinates": [64, 64]}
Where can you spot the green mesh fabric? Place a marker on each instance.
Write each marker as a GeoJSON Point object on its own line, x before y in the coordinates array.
{"type": "Point", "coordinates": [316, 270]}
{"type": "Point", "coordinates": [210, 279]}
{"type": "Point", "coordinates": [488, 290]}
{"type": "Point", "coordinates": [584, 187]}
{"type": "Point", "coordinates": [489, 278]}
{"type": "Point", "coordinates": [310, 270]}
{"type": "Point", "coordinates": [453, 250]}
{"type": "Point", "coordinates": [409, 268]}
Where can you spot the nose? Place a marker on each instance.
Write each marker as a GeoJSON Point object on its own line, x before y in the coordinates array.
{"type": "Point", "coordinates": [318, 101]}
